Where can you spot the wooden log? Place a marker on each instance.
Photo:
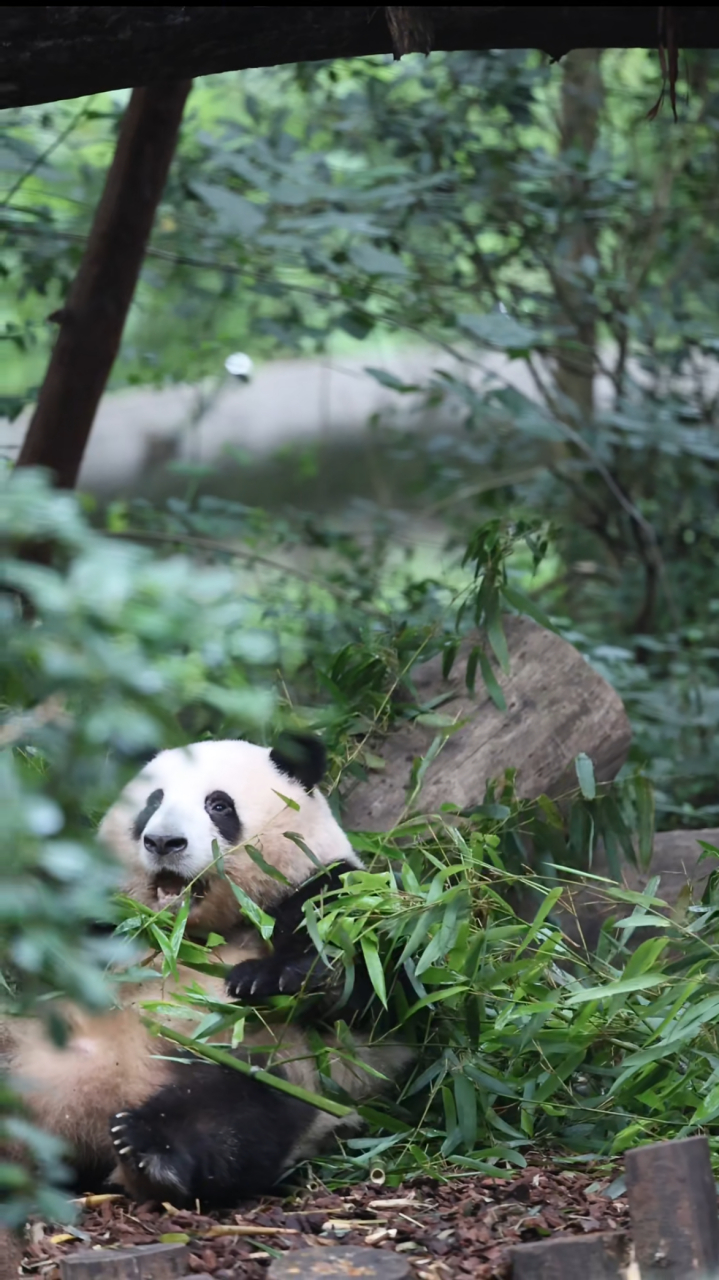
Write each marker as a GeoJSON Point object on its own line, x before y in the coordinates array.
{"type": "Point", "coordinates": [146, 1262]}
{"type": "Point", "coordinates": [673, 1206]}
{"type": "Point", "coordinates": [557, 707]}
{"type": "Point", "coordinates": [336, 1264]}
{"type": "Point", "coordinates": [604, 1256]}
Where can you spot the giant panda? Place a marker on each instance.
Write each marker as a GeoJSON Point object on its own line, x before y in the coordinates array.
{"type": "Point", "coordinates": [167, 1125]}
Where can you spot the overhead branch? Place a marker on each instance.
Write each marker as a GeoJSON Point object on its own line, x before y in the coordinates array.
{"type": "Point", "coordinates": [50, 52]}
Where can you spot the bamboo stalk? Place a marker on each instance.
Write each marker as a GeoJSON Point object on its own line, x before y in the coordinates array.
{"type": "Point", "coordinates": [225, 1059]}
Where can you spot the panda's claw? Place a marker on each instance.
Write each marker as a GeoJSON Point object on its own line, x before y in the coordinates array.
{"type": "Point", "coordinates": [161, 1154]}
{"type": "Point", "coordinates": [245, 979]}
{"type": "Point", "coordinates": [262, 979]}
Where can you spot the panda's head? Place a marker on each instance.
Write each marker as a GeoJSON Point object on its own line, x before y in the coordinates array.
{"type": "Point", "coordinates": [190, 815]}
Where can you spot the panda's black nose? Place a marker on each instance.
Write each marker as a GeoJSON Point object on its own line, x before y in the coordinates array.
{"type": "Point", "coordinates": [162, 846]}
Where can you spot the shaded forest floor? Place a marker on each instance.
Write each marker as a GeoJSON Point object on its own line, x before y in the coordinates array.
{"type": "Point", "coordinates": [461, 1228]}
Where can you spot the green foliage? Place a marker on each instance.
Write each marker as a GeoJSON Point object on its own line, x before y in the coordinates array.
{"type": "Point", "coordinates": [493, 206]}
{"type": "Point", "coordinates": [101, 655]}
{"type": "Point", "coordinates": [521, 1041]}
{"type": "Point", "coordinates": [588, 1056]}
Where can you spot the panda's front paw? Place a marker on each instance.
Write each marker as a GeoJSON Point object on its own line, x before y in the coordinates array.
{"type": "Point", "coordinates": [153, 1166]}
{"type": "Point", "coordinates": [255, 980]}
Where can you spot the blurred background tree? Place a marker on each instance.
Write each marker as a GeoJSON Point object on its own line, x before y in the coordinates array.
{"type": "Point", "coordinates": [477, 201]}
{"type": "Point", "coordinates": [472, 202]}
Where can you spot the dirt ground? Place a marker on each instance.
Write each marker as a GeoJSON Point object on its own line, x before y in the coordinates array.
{"type": "Point", "coordinates": [460, 1228]}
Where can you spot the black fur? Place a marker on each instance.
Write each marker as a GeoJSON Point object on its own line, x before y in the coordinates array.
{"type": "Point", "coordinates": [152, 804]}
{"type": "Point", "coordinates": [301, 756]}
{"type": "Point", "coordinates": [221, 809]}
{"type": "Point", "coordinates": [295, 964]}
{"type": "Point", "coordinates": [213, 1135]}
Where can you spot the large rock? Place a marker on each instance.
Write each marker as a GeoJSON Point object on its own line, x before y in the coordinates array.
{"type": "Point", "coordinates": [557, 707]}
{"type": "Point", "coordinates": [676, 859]}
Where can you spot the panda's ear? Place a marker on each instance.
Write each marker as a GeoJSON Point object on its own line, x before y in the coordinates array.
{"type": "Point", "coordinates": [301, 756]}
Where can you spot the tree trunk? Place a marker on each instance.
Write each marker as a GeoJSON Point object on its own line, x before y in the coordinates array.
{"type": "Point", "coordinates": [93, 318]}
{"type": "Point", "coordinates": [581, 103]}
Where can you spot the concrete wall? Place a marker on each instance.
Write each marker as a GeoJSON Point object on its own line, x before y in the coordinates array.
{"type": "Point", "coordinates": [137, 430]}
{"type": "Point", "coordinates": [287, 400]}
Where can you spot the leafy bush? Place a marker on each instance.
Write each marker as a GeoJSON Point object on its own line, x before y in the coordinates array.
{"type": "Point", "coordinates": [101, 656]}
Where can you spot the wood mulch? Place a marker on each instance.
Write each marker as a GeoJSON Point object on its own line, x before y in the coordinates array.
{"type": "Point", "coordinates": [445, 1230]}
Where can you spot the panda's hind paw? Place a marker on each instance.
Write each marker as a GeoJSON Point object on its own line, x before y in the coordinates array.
{"type": "Point", "coordinates": [152, 1166]}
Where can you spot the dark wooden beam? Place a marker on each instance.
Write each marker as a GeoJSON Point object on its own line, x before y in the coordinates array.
{"type": "Point", "coordinates": [52, 52]}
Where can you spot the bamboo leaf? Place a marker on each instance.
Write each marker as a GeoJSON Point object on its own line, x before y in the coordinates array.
{"type": "Point", "coordinates": [291, 804]}
{"type": "Point", "coordinates": [491, 683]}
{"type": "Point", "coordinates": [449, 653]}
{"type": "Point", "coordinates": [495, 634]}
{"type": "Point", "coordinates": [259, 918]}
{"type": "Point", "coordinates": [163, 944]}
{"type": "Point", "coordinates": [297, 839]}
{"type": "Point", "coordinates": [585, 776]}
{"type": "Point", "coordinates": [374, 967]}
{"type": "Point", "coordinates": [624, 986]}
{"type": "Point", "coordinates": [524, 603]}
{"type": "Point", "coordinates": [465, 1097]}
{"type": "Point", "coordinates": [178, 929]}
{"type": "Point", "coordinates": [255, 855]}
{"type": "Point", "coordinates": [644, 792]}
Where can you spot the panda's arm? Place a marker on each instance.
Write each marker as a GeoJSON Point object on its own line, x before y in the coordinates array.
{"type": "Point", "coordinates": [295, 965]}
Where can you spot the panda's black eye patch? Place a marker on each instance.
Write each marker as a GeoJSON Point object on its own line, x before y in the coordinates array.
{"type": "Point", "coordinates": [222, 811]}
{"type": "Point", "coordinates": [152, 804]}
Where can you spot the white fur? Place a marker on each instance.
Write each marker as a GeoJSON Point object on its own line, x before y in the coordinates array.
{"type": "Point", "coordinates": [187, 775]}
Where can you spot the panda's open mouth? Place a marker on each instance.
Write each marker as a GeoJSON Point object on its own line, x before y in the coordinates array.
{"type": "Point", "coordinates": [169, 886]}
